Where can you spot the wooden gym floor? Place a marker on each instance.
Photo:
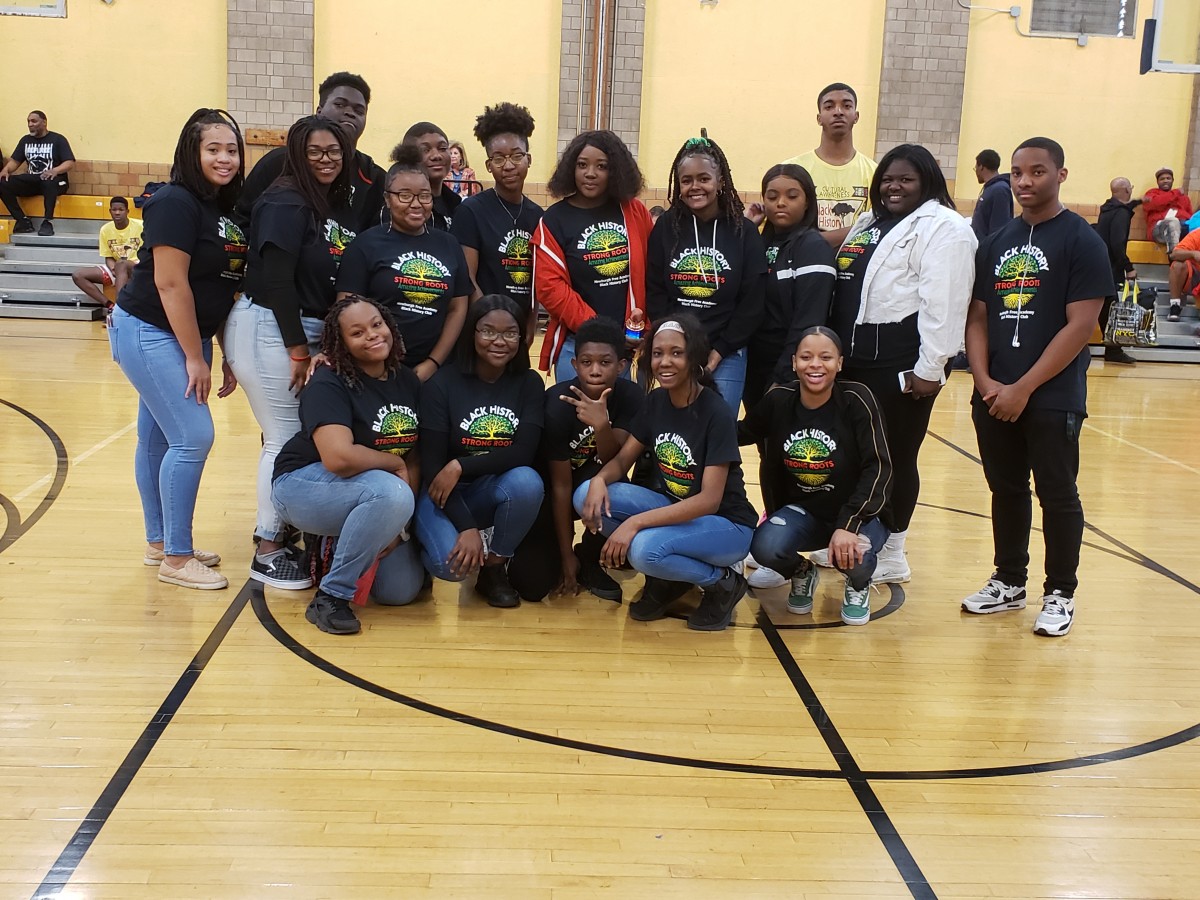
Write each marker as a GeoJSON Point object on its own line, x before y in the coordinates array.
{"type": "Point", "coordinates": [162, 743]}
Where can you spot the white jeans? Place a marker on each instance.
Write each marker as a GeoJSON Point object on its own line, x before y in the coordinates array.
{"type": "Point", "coordinates": [255, 351]}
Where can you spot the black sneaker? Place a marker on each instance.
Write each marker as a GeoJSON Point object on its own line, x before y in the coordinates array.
{"type": "Point", "coordinates": [716, 606]}
{"type": "Point", "coordinates": [25, 226]}
{"type": "Point", "coordinates": [592, 576]}
{"type": "Point", "coordinates": [332, 615]}
{"type": "Point", "coordinates": [1118, 355]}
{"type": "Point", "coordinates": [281, 570]}
{"type": "Point", "coordinates": [47, 229]}
{"type": "Point", "coordinates": [1175, 310]}
{"type": "Point", "coordinates": [493, 585]}
{"type": "Point", "coordinates": [656, 597]}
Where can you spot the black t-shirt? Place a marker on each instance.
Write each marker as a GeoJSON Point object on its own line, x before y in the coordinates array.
{"type": "Point", "coordinates": [710, 269]}
{"type": "Point", "coordinates": [501, 234]}
{"type": "Point", "coordinates": [851, 264]}
{"type": "Point", "coordinates": [42, 153]}
{"type": "Point", "coordinates": [1026, 277]}
{"type": "Point", "coordinates": [281, 217]}
{"type": "Point", "coordinates": [568, 439]}
{"type": "Point", "coordinates": [382, 413]}
{"type": "Point", "coordinates": [366, 190]}
{"type": "Point", "coordinates": [445, 207]}
{"type": "Point", "coordinates": [684, 441]}
{"type": "Point", "coordinates": [489, 427]}
{"type": "Point", "coordinates": [415, 276]}
{"type": "Point", "coordinates": [175, 217]}
{"type": "Point", "coordinates": [596, 244]}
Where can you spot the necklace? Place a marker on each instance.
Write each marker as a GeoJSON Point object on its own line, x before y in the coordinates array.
{"type": "Point", "coordinates": [504, 205]}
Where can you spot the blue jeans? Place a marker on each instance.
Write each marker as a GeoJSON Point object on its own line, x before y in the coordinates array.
{"type": "Point", "coordinates": [792, 530]}
{"type": "Point", "coordinates": [509, 502]}
{"type": "Point", "coordinates": [366, 511]}
{"type": "Point", "coordinates": [174, 433]}
{"type": "Point", "coordinates": [730, 376]}
{"type": "Point", "coordinates": [696, 552]}
{"type": "Point", "coordinates": [254, 349]}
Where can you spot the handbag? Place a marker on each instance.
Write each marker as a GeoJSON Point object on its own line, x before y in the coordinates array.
{"type": "Point", "coordinates": [1130, 324]}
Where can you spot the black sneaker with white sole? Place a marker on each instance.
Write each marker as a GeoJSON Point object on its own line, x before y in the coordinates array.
{"type": "Point", "coordinates": [332, 615]}
{"type": "Point", "coordinates": [994, 597]}
{"type": "Point", "coordinates": [1176, 309]}
{"type": "Point", "coordinates": [280, 569]}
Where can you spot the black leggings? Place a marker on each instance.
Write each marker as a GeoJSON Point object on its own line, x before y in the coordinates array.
{"type": "Point", "coordinates": [906, 419]}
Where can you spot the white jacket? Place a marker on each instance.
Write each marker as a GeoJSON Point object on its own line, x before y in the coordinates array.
{"type": "Point", "coordinates": [925, 264]}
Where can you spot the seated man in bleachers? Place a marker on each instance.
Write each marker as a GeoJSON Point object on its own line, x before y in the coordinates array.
{"type": "Point", "coordinates": [48, 158]}
{"type": "Point", "coordinates": [120, 241]}
{"type": "Point", "coordinates": [1185, 273]}
{"type": "Point", "coordinates": [1167, 208]}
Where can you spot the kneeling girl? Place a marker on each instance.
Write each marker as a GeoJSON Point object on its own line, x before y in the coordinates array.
{"type": "Point", "coordinates": [826, 462]}
{"type": "Point", "coordinates": [696, 522]}
{"type": "Point", "coordinates": [349, 470]}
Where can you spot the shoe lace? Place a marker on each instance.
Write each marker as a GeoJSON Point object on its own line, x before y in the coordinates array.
{"type": "Point", "coordinates": [1054, 606]}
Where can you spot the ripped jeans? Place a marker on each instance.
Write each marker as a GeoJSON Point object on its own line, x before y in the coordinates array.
{"type": "Point", "coordinates": [792, 530]}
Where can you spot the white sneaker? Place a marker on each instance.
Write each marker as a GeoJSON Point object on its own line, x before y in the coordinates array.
{"type": "Point", "coordinates": [995, 596]}
{"type": "Point", "coordinates": [1057, 615]}
{"type": "Point", "coordinates": [891, 570]}
{"type": "Point", "coordinates": [765, 578]}
{"type": "Point", "coordinates": [820, 558]}
{"type": "Point", "coordinates": [749, 562]}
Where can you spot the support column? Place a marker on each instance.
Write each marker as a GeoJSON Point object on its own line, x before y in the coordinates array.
{"type": "Point", "coordinates": [270, 64]}
{"type": "Point", "coordinates": [921, 78]}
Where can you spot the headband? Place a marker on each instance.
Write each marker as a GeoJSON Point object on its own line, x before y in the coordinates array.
{"type": "Point", "coordinates": [671, 325]}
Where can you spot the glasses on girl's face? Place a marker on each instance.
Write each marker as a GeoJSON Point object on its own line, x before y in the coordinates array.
{"type": "Point", "coordinates": [490, 334]}
{"type": "Point", "coordinates": [516, 158]}
{"type": "Point", "coordinates": [315, 153]}
{"type": "Point", "coordinates": [406, 198]}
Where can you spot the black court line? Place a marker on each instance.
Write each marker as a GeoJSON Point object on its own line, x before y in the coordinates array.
{"type": "Point", "coordinates": [72, 855]}
{"type": "Point", "coordinates": [16, 528]}
{"type": "Point", "coordinates": [914, 879]}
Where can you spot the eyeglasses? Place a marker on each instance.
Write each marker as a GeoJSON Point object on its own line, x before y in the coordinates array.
{"type": "Point", "coordinates": [490, 334]}
{"type": "Point", "coordinates": [405, 198]}
{"type": "Point", "coordinates": [500, 160]}
{"type": "Point", "coordinates": [316, 153]}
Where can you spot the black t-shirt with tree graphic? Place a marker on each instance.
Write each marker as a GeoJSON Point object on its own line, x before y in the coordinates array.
{"type": "Point", "coordinates": [500, 232]}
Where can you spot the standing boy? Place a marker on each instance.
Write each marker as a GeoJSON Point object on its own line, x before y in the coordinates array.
{"type": "Point", "coordinates": [841, 174]}
{"type": "Point", "coordinates": [1039, 284]}
{"type": "Point", "coordinates": [587, 420]}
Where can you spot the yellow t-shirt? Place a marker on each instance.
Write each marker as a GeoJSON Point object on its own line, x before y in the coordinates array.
{"type": "Point", "coordinates": [121, 243]}
{"type": "Point", "coordinates": [841, 190]}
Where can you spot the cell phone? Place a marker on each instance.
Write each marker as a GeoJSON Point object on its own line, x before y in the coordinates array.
{"type": "Point", "coordinates": [905, 385]}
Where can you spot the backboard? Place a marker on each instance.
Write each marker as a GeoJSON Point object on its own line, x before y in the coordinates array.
{"type": "Point", "coordinates": [1171, 38]}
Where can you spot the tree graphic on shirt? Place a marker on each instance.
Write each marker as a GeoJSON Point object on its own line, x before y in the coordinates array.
{"type": "Point", "coordinates": [703, 269]}
{"type": "Point", "coordinates": [518, 251]}
{"type": "Point", "coordinates": [809, 450]}
{"type": "Point", "coordinates": [421, 270]}
{"type": "Point", "coordinates": [607, 239]}
{"type": "Point", "coordinates": [492, 426]}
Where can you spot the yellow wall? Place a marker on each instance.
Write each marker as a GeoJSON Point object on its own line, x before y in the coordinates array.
{"type": "Point", "coordinates": [423, 68]}
{"type": "Point", "coordinates": [750, 72]}
{"type": "Point", "coordinates": [1110, 120]}
{"type": "Point", "coordinates": [118, 81]}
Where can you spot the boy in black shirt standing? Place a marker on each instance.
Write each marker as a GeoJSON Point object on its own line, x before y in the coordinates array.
{"type": "Point", "coordinates": [48, 158]}
{"type": "Point", "coordinates": [1040, 282]}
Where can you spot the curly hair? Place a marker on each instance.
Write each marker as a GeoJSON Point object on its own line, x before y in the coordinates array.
{"type": "Point", "coordinates": [625, 180]}
{"type": "Point", "coordinates": [186, 169]}
{"type": "Point", "coordinates": [729, 204]}
{"type": "Point", "coordinates": [503, 118]}
{"type": "Point", "coordinates": [298, 175]}
{"type": "Point", "coordinates": [338, 355]}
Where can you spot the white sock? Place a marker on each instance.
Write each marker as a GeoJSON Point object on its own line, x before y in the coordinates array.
{"type": "Point", "coordinates": [895, 543]}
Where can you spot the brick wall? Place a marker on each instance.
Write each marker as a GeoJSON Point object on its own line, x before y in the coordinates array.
{"type": "Point", "coordinates": [921, 78]}
{"type": "Point", "coordinates": [108, 178]}
{"type": "Point", "coordinates": [270, 61]}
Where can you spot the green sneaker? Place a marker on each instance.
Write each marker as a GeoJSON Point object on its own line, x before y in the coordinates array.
{"type": "Point", "coordinates": [804, 588]}
{"type": "Point", "coordinates": [856, 605]}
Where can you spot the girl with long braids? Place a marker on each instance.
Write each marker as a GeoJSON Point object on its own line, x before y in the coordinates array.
{"type": "Point", "coordinates": [589, 250]}
{"type": "Point", "coordinates": [299, 229]}
{"type": "Point", "coordinates": [161, 334]}
{"type": "Point", "coordinates": [496, 227]}
{"type": "Point", "coordinates": [905, 275]}
{"type": "Point", "coordinates": [695, 524]}
{"type": "Point", "coordinates": [350, 470]}
{"type": "Point", "coordinates": [704, 258]}
{"type": "Point", "coordinates": [417, 272]}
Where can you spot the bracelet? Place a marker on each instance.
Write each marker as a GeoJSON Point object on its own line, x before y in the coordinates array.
{"type": "Point", "coordinates": [436, 364]}
{"type": "Point", "coordinates": [299, 358]}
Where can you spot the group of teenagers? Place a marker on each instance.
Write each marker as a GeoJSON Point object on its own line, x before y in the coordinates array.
{"type": "Point", "coordinates": [381, 329]}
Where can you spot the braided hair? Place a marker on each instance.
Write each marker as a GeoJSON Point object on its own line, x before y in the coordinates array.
{"type": "Point", "coordinates": [338, 355]}
{"type": "Point", "coordinates": [186, 169]}
{"type": "Point", "coordinates": [729, 204]}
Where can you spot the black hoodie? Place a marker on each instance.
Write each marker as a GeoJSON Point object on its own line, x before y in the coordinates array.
{"type": "Point", "coordinates": [1113, 228]}
{"type": "Point", "coordinates": [995, 207]}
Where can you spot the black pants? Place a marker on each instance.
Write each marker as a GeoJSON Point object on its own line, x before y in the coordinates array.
{"type": "Point", "coordinates": [32, 186]}
{"type": "Point", "coordinates": [536, 568]}
{"type": "Point", "coordinates": [906, 419]}
{"type": "Point", "coordinates": [1046, 442]}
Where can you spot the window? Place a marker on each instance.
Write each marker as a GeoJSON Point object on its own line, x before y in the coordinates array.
{"type": "Point", "coordinates": [1110, 18]}
{"type": "Point", "coordinates": [54, 8]}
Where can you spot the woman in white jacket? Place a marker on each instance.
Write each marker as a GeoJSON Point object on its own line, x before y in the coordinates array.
{"type": "Point", "coordinates": [904, 279]}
